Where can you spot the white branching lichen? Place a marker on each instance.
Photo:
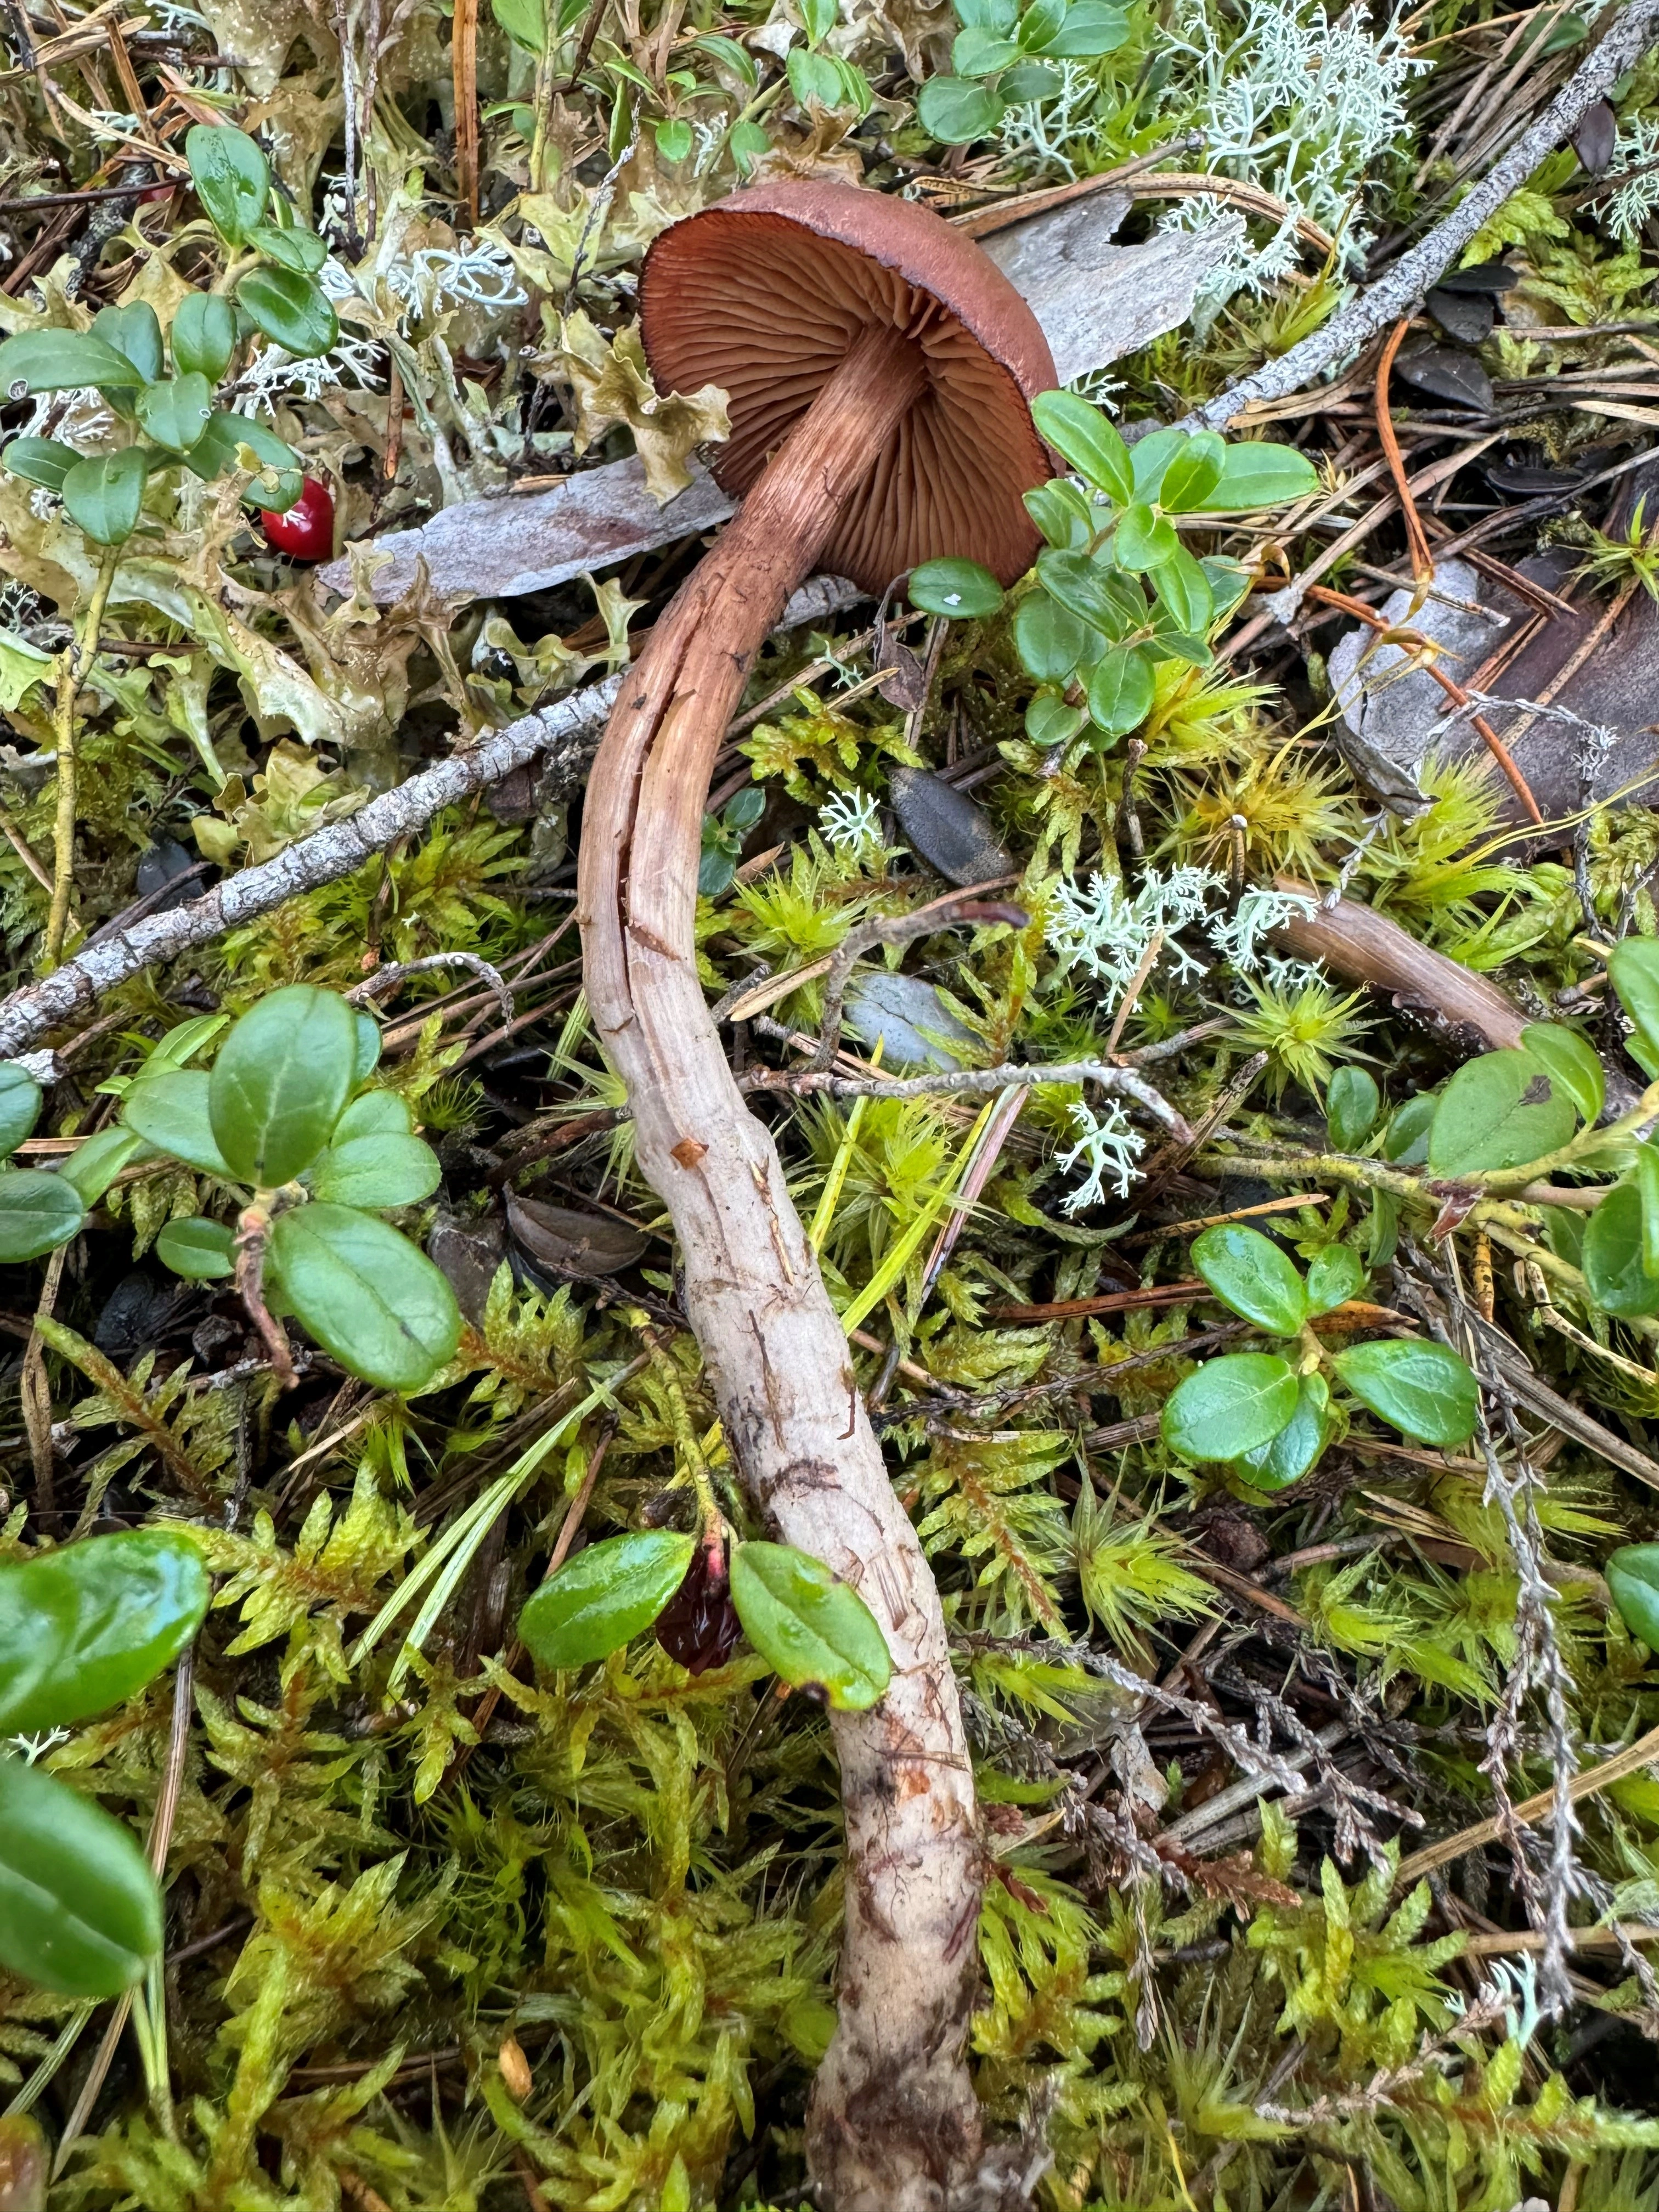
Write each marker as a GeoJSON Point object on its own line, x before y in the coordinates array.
{"type": "Point", "coordinates": [1108, 1145]}
{"type": "Point", "coordinates": [1631, 197]}
{"type": "Point", "coordinates": [850, 824]}
{"type": "Point", "coordinates": [1109, 932]}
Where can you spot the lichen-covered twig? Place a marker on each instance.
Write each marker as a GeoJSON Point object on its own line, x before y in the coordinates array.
{"type": "Point", "coordinates": [1394, 295]}
{"type": "Point", "coordinates": [568, 732]}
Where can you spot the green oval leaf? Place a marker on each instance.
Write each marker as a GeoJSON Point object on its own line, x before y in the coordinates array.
{"type": "Point", "coordinates": [20, 1105]}
{"type": "Point", "coordinates": [1335, 1276]}
{"type": "Point", "coordinates": [1052, 642]}
{"type": "Point", "coordinates": [960, 590]}
{"type": "Point", "coordinates": [1050, 722]}
{"type": "Point", "coordinates": [105, 495]}
{"type": "Point", "coordinates": [1251, 1276]}
{"type": "Point", "coordinates": [1256, 475]}
{"type": "Point", "coordinates": [1194, 474]}
{"type": "Point", "coordinates": [371, 1300]}
{"type": "Point", "coordinates": [290, 310]}
{"type": "Point", "coordinates": [1352, 1103]}
{"type": "Point", "coordinates": [1030, 80]}
{"type": "Point", "coordinates": [1121, 690]}
{"type": "Point", "coordinates": [604, 1597]}
{"type": "Point", "coordinates": [978, 52]}
{"type": "Point", "coordinates": [1288, 1456]}
{"type": "Point", "coordinates": [1632, 1573]}
{"type": "Point", "coordinates": [1502, 1111]}
{"type": "Point", "coordinates": [171, 1111]}
{"type": "Point", "coordinates": [80, 1911]}
{"type": "Point", "coordinates": [1061, 512]}
{"type": "Point", "coordinates": [525, 21]}
{"type": "Point", "coordinates": [956, 110]}
{"type": "Point", "coordinates": [38, 1213]}
{"type": "Point", "coordinates": [1613, 1255]}
{"type": "Point", "coordinates": [176, 413]}
{"type": "Point", "coordinates": [1183, 589]}
{"type": "Point", "coordinates": [203, 336]}
{"type": "Point", "coordinates": [374, 1114]}
{"type": "Point", "coordinates": [1406, 1142]}
{"type": "Point", "coordinates": [232, 179]}
{"type": "Point", "coordinates": [133, 330]}
{"type": "Point", "coordinates": [40, 461]}
{"type": "Point", "coordinates": [217, 451]}
{"type": "Point", "coordinates": [1633, 964]}
{"type": "Point", "coordinates": [1144, 539]}
{"type": "Point", "coordinates": [1417, 1386]}
{"type": "Point", "coordinates": [812, 1628]}
{"type": "Point", "coordinates": [1231, 1405]}
{"type": "Point", "coordinates": [85, 1626]}
{"type": "Point", "coordinates": [1091, 27]}
{"type": "Point", "coordinates": [376, 1170]}
{"type": "Point", "coordinates": [281, 1077]}
{"type": "Point", "coordinates": [200, 1251]}
{"type": "Point", "coordinates": [62, 361]}
{"type": "Point", "coordinates": [1573, 1063]}
{"type": "Point", "coordinates": [1087, 590]}
{"type": "Point", "coordinates": [302, 251]}
{"type": "Point", "coordinates": [1086, 441]}
{"type": "Point", "coordinates": [92, 1167]}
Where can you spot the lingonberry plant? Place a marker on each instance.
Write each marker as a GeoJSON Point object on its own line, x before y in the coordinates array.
{"type": "Point", "coordinates": [81, 1627]}
{"type": "Point", "coordinates": [307, 1156]}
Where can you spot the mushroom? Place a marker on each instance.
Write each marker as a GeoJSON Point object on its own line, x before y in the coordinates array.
{"type": "Point", "coordinates": [879, 369]}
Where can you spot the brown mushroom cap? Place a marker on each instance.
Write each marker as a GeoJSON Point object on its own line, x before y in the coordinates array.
{"type": "Point", "coordinates": [765, 293]}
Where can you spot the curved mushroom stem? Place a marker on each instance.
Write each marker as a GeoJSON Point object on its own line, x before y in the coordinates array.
{"type": "Point", "coordinates": [894, 2126]}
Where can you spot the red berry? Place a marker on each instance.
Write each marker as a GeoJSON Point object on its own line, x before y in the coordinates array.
{"type": "Point", "coordinates": [306, 533]}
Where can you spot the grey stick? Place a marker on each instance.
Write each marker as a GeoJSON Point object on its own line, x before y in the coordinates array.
{"type": "Point", "coordinates": [1393, 295]}
{"type": "Point", "coordinates": [568, 731]}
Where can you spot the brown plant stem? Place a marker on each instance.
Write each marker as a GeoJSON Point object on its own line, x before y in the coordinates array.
{"type": "Point", "coordinates": [1363, 946]}
{"type": "Point", "coordinates": [252, 1236]}
{"type": "Point", "coordinates": [893, 2125]}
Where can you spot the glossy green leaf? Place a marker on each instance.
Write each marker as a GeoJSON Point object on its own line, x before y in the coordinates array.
{"type": "Point", "coordinates": [134, 331]}
{"type": "Point", "coordinates": [374, 1114]}
{"type": "Point", "coordinates": [1572, 1060]}
{"type": "Point", "coordinates": [290, 310]}
{"type": "Point", "coordinates": [1086, 590]}
{"type": "Point", "coordinates": [1183, 589]}
{"type": "Point", "coordinates": [1150, 457]}
{"type": "Point", "coordinates": [200, 1251]}
{"type": "Point", "coordinates": [281, 1080]}
{"type": "Point", "coordinates": [1288, 1456]}
{"type": "Point", "coordinates": [1231, 1405]}
{"type": "Point", "coordinates": [218, 449]}
{"type": "Point", "coordinates": [40, 461]}
{"type": "Point", "coordinates": [1647, 1188]}
{"type": "Point", "coordinates": [176, 413]}
{"type": "Point", "coordinates": [1061, 511]}
{"type": "Point", "coordinates": [1040, 22]}
{"type": "Point", "coordinates": [957, 110]}
{"type": "Point", "coordinates": [86, 1625]}
{"type": "Point", "coordinates": [232, 179]}
{"type": "Point", "coordinates": [1121, 690]}
{"type": "Point", "coordinates": [1502, 1111]}
{"type": "Point", "coordinates": [301, 251]}
{"type": "Point", "coordinates": [1633, 964]}
{"type": "Point", "coordinates": [977, 53]}
{"type": "Point", "coordinates": [525, 22]}
{"type": "Point", "coordinates": [62, 361]}
{"type": "Point", "coordinates": [1194, 474]}
{"type": "Point", "coordinates": [367, 1294]}
{"type": "Point", "coordinates": [1050, 722]}
{"type": "Point", "coordinates": [105, 495]}
{"type": "Point", "coordinates": [1052, 642]}
{"type": "Point", "coordinates": [1252, 1277]}
{"type": "Point", "coordinates": [812, 1628]}
{"type": "Point", "coordinates": [202, 335]}
{"type": "Point", "coordinates": [171, 1111]}
{"type": "Point", "coordinates": [1417, 1386]}
{"type": "Point", "coordinates": [989, 14]}
{"type": "Point", "coordinates": [1352, 1103]}
{"type": "Point", "coordinates": [1335, 1276]}
{"type": "Point", "coordinates": [604, 1597]}
{"type": "Point", "coordinates": [376, 1170]}
{"type": "Point", "coordinates": [675, 138]}
{"type": "Point", "coordinates": [20, 1105]}
{"type": "Point", "coordinates": [1613, 1255]}
{"type": "Point", "coordinates": [1091, 27]}
{"type": "Point", "coordinates": [80, 1913]}
{"type": "Point", "coordinates": [1256, 475]}
{"type": "Point", "coordinates": [38, 1213]}
{"type": "Point", "coordinates": [1406, 1142]}
{"type": "Point", "coordinates": [92, 1167]}
{"type": "Point", "coordinates": [1030, 80]}
{"type": "Point", "coordinates": [1084, 439]}
{"type": "Point", "coordinates": [960, 590]}
{"type": "Point", "coordinates": [1144, 539]}
{"type": "Point", "coordinates": [1632, 1573]}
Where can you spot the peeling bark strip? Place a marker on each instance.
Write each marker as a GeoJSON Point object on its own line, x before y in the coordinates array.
{"type": "Point", "coordinates": [569, 730]}
{"type": "Point", "coordinates": [893, 2126]}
